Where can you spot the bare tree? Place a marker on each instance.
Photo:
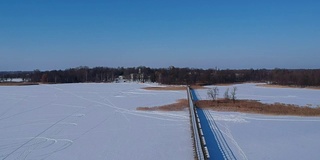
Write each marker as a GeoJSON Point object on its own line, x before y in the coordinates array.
{"type": "Point", "coordinates": [213, 93]}
{"type": "Point", "coordinates": [210, 94]}
{"type": "Point", "coordinates": [233, 94]}
{"type": "Point", "coordinates": [226, 94]}
{"type": "Point", "coordinates": [44, 78]}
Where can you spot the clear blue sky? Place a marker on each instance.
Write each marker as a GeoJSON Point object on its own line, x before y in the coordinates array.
{"type": "Point", "coordinates": [59, 34]}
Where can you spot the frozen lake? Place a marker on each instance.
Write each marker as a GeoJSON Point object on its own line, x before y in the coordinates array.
{"type": "Point", "coordinates": [91, 121]}
{"type": "Point", "coordinates": [100, 121]}
{"type": "Point", "coordinates": [254, 136]}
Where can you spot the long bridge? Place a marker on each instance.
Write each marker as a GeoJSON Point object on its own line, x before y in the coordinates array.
{"type": "Point", "coordinates": [208, 139]}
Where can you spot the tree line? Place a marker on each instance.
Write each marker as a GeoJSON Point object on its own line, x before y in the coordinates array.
{"type": "Point", "coordinates": [171, 75]}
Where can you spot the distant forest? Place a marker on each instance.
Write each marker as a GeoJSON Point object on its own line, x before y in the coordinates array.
{"type": "Point", "coordinates": [170, 75]}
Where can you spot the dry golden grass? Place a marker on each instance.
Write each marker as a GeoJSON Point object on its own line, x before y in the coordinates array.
{"type": "Point", "coordinates": [251, 106]}
{"type": "Point", "coordinates": [180, 105]}
{"type": "Point", "coordinates": [172, 88]}
{"type": "Point", "coordinates": [17, 83]}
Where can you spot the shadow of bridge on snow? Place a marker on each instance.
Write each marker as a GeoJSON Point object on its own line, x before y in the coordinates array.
{"type": "Point", "coordinates": [217, 146]}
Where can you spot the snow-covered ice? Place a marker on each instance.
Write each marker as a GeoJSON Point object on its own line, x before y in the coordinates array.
{"type": "Point", "coordinates": [254, 136]}
{"type": "Point", "coordinates": [91, 121]}
{"type": "Point", "coordinates": [100, 121]}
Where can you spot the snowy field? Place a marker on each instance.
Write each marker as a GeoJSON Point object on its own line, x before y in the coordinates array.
{"type": "Point", "coordinates": [254, 136]}
{"type": "Point", "coordinates": [91, 121]}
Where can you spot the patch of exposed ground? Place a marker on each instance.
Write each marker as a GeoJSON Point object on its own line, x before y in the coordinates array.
{"type": "Point", "coordinates": [17, 83]}
{"type": "Point", "coordinates": [180, 105]}
{"type": "Point", "coordinates": [172, 88]}
{"type": "Point", "coordinates": [284, 86]}
{"type": "Point", "coordinates": [252, 106]}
